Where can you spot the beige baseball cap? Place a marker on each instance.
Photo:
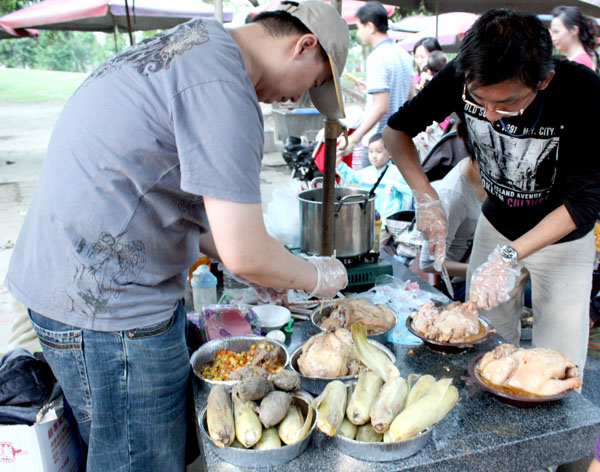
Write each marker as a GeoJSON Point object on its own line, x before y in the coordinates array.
{"type": "Point", "coordinates": [332, 32]}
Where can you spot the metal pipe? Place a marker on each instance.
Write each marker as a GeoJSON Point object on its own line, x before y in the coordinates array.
{"type": "Point", "coordinates": [333, 129]}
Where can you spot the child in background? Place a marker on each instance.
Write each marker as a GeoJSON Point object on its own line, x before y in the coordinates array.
{"type": "Point", "coordinates": [393, 193]}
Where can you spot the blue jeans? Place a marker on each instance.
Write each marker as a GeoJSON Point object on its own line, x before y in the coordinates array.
{"type": "Point", "coordinates": [127, 390]}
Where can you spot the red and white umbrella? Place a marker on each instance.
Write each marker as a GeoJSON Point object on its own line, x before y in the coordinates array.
{"type": "Point", "coordinates": [448, 28]}
{"type": "Point", "coordinates": [349, 9]}
{"type": "Point", "coordinates": [106, 15]}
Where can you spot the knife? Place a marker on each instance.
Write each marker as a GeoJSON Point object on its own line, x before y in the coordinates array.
{"type": "Point", "coordinates": [446, 279]}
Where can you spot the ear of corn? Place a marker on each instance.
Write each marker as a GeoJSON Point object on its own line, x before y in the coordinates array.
{"type": "Point", "coordinates": [268, 440]}
{"type": "Point", "coordinates": [347, 429]}
{"type": "Point", "coordinates": [293, 429]}
{"type": "Point", "coordinates": [368, 434]}
{"type": "Point", "coordinates": [370, 356]}
{"type": "Point", "coordinates": [290, 425]}
{"type": "Point", "coordinates": [388, 403]}
{"type": "Point", "coordinates": [363, 396]}
{"type": "Point", "coordinates": [219, 417]}
{"type": "Point", "coordinates": [248, 428]}
{"type": "Point", "coordinates": [419, 388]}
{"type": "Point", "coordinates": [426, 411]}
{"type": "Point", "coordinates": [331, 407]}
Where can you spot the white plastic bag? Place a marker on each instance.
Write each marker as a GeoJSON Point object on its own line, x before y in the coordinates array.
{"type": "Point", "coordinates": [282, 218]}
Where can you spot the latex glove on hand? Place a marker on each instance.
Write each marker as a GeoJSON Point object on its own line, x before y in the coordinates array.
{"type": "Point", "coordinates": [493, 280]}
{"type": "Point", "coordinates": [266, 294]}
{"type": "Point", "coordinates": [331, 277]}
{"type": "Point", "coordinates": [432, 222]}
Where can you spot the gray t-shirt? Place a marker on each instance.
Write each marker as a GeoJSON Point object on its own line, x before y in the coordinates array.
{"type": "Point", "coordinates": [116, 217]}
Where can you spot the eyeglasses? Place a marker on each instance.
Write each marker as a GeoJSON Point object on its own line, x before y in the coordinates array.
{"type": "Point", "coordinates": [494, 110]}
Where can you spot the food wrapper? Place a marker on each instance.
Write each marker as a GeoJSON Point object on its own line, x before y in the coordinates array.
{"type": "Point", "coordinates": [221, 321]}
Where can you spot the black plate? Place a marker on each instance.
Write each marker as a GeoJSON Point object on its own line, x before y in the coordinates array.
{"type": "Point", "coordinates": [451, 347]}
{"type": "Point", "coordinates": [514, 400]}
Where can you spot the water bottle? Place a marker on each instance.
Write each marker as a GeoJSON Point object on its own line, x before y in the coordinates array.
{"type": "Point", "coordinates": [204, 287]}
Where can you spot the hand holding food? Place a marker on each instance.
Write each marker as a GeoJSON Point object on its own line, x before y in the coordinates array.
{"type": "Point", "coordinates": [432, 222]}
{"type": "Point", "coordinates": [493, 280]}
{"type": "Point", "coordinates": [331, 276]}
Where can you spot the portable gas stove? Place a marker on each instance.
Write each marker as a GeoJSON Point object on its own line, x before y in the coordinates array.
{"type": "Point", "coordinates": [362, 270]}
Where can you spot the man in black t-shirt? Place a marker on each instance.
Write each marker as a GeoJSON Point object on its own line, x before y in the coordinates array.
{"type": "Point", "coordinates": [527, 116]}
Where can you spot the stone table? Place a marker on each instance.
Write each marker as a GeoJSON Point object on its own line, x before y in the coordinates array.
{"type": "Point", "coordinates": [480, 434]}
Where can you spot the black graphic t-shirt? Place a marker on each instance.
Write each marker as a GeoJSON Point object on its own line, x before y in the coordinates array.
{"type": "Point", "coordinates": [531, 164]}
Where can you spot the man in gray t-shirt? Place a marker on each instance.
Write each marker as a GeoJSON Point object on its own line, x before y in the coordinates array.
{"type": "Point", "coordinates": [157, 157]}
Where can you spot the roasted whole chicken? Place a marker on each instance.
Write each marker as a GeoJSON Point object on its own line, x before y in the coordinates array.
{"type": "Point", "coordinates": [329, 354]}
{"type": "Point", "coordinates": [375, 318]}
{"type": "Point", "coordinates": [452, 323]}
{"type": "Point", "coordinates": [539, 371]}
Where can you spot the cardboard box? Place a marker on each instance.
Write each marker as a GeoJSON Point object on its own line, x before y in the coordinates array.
{"type": "Point", "coordinates": [50, 445]}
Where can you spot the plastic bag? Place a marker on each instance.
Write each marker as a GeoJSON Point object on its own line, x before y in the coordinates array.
{"type": "Point", "coordinates": [282, 218]}
{"type": "Point", "coordinates": [402, 297]}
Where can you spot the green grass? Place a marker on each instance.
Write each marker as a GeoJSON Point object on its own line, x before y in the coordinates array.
{"type": "Point", "coordinates": [30, 86]}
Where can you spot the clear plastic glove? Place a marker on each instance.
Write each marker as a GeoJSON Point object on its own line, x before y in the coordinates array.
{"type": "Point", "coordinates": [432, 222]}
{"type": "Point", "coordinates": [331, 276]}
{"type": "Point", "coordinates": [266, 294]}
{"type": "Point", "coordinates": [493, 280]}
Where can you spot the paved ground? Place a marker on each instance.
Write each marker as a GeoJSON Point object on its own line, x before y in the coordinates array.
{"type": "Point", "coordinates": [24, 135]}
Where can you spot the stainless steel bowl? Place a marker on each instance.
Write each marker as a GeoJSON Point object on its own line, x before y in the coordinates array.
{"type": "Point", "coordinates": [271, 458]}
{"type": "Point", "coordinates": [383, 451]}
{"type": "Point", "coordinates": [316, 385]}
{"type": "Point", "coordinates": [205, 353]}
{"type": "Point", "coordinates": [322, 312]}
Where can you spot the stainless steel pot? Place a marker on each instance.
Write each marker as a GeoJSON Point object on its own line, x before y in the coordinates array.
{"type": "Point", "coordinates": [354, 221]}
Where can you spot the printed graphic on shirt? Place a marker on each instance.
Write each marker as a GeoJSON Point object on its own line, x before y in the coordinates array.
{"type": "Point", "coordinates": [517, 171]}
{"type": "Point", "coordinates": [103, 268]}
{"type": "Point", "coordinates": [156, 53]}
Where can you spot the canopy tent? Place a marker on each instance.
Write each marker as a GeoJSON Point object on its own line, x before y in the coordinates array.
{"type": "Point", "coordinates": [588, 7]}
{"type": "Point", "coordinates": [106, 15]}
{"type": "Point", "coordinates": [448, 28]}
{"type": "Point", "coordinates": [349, 9]}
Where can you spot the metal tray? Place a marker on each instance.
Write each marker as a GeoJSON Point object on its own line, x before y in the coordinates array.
{"type": "Point", "coordinates": [255, 459]}
{"type": "Point", "coordinates": [383, 451]}
{"type": "Point", "coordinates": [316, 385]}
{"type": "Point", "coordinates": [205, 353]}
{"type": "Point", "coordinates": [321, 312]}
{"type": "Point", "coordinates": [515, 400]}
{"type": "Point", "coordinates": [452, 347]}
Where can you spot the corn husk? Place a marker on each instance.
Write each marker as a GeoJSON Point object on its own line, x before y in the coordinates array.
{"type": "Point", "coordinates": [268, 440]}
{"type": "Point", "coordinates": [412, 378]}
{"type": "Point", "coordinates": [367, 434]}
{"type": "Point", "coordinates": [347, 429]}
{"type": "Point", "coordinates": [370, 356]}
{"type": "Point", "coordinates": [387, 437]}
{"type": "Point", "coordinates": [293, 428]}
{"type": "Point", "coordinates": [426, 411]}
{"type": "Point", "coordinates": [331, 407]}
{"type": "Point", "coordinates": [273, 408]}
{"type": "Point", "coordinates": [418, 389]}
{"type": "Point", "coordinates": [237, 444]}
{"type": "Point", "coordinates": [219, 416]}
{"type": "Point", "coordinates": [388, 403]}
{"type": "Point", "coordinates": [362, 397]}
{"type": "Point", "coordinates": [248, 428]}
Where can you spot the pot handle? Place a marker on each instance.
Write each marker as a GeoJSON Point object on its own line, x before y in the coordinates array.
{"type": "Point", "coordinates": [363, 201]}
{"type": "Point", "coordinates": [316, 180]}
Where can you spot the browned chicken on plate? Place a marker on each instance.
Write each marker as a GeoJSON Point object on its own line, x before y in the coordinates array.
{"type": "Point", "coordinates": [375, 318]}
{"type": "Point", "coordinates": [453, 323]}
{"type": "Point", "coordinates": [539, 371]}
